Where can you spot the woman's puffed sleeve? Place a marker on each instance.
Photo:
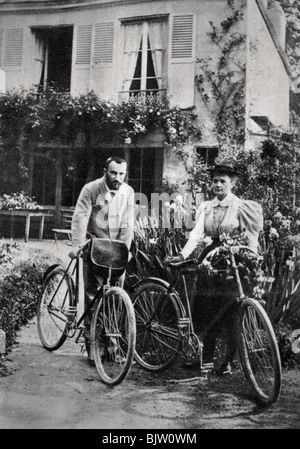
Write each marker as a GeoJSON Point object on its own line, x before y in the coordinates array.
{"type": "Point", "coordinates": [251, 218]}
{"type": "Point", "coordinates": [197, 234]}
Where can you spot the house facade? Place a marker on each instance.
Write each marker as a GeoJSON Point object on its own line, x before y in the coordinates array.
{"type": "Point", "coordinates": [119, 48]}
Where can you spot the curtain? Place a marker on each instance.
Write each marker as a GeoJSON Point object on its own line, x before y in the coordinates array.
{"type": "Point", "coordinates": [133, 36]}
{"type": "Point", "coordinates": [158, 45]}
{"type": "Point", "coordinates": [2, 82]}
{"type": "Point", "coordinates": [39, 59]}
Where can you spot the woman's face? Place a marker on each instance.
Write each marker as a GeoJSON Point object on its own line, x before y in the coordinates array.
{"type": "Point", "coordinates": [222, 185]}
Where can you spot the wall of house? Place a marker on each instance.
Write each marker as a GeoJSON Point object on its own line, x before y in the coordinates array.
{"type": "Point", "coordinates": [105, 78]}
{"type": "Point", "coordinates": [267, 83]}
{"type": "Point", "coordinates": [267, 78]}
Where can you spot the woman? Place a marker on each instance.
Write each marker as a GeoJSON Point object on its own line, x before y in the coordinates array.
{"type": "Point", "coordinates": [228, 214]}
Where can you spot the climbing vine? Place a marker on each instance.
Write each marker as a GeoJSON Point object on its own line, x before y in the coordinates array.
{"type": "Point", "coordinates": [221, 81]}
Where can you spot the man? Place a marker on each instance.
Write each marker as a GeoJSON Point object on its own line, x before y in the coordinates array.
{"type": "Point", "coordinates": [105, 209]}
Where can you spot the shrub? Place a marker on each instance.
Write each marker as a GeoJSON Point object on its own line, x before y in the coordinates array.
{"type": "Point", "coordinates": [21, 273]}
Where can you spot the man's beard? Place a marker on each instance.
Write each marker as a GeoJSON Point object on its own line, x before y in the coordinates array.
{"type": "Point", "coordinates": [112, 185]}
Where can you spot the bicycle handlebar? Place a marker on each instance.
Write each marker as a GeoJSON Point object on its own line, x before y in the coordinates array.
{"type": "Point", "coordinates": [76, 255]}
{"type": "Point", "coordinates": [214, 251]}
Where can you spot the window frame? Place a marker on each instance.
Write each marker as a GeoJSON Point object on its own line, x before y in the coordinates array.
{"type": "Point", "coordinates": [144, 21]}
{"type": "Point", "coordinates": [209, 162]}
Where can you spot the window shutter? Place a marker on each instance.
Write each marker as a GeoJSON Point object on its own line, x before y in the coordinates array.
{"type": "Point", "coordinates": [1, 45]}
{"type": "Point", "coordinates": [182, 67]}
{"type": "Point", "coordinates": [13, 50]}
{"type": "Point", "coordinates": [84, 42]}
{"type": "Point", "coordinates": [104, 43]}
{"type": "Point", "coordinates": [182, 37]}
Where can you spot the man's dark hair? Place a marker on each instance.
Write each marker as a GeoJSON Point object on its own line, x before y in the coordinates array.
{"type": "Point", "coordinates": [116, 159]}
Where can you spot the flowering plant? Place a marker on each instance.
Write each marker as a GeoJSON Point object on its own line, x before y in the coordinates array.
{"type": "Point", "coordinates": [17, 201]}
{"type": "Point", "coordinates": [58, 114]}
{"type": "Point", "coordinates": [248, 263]}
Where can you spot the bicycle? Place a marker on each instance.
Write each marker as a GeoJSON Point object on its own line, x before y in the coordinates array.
{"type": "Point", "coordinates": [165, 325]}
{"type": "Point", "coordinates": [113, 329]}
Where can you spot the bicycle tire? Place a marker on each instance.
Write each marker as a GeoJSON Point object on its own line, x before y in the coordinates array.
{"type": "Point", "coordinates": [113, 335]}
{"type": "Point", "coordinates": [57, 296]}
{"type": "Point", "coordinates": [258, 351]}
{"type": "Point", "coordinates": [157, 313]}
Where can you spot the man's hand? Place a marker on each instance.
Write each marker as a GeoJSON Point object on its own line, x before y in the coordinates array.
{"type": "Point", "coordinates": [74, 253]}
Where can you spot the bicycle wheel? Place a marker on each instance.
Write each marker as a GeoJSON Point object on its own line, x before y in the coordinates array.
{"type": "Point", "coordinates": [157, 315]}
{"type": "Point", "coordinates": [113, 335]}
{"type": "Point", "coordinates": [52, 309]}
{"type": "Point", "coordinates": [259, 353]}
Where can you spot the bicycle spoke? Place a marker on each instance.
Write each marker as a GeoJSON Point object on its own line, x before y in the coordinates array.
{"type": "Point", "coordinates": [260, 352]}
{"type": "Point", "coordinates": [158, 337]}
{"type": "Point", "coordinates": [113, 336]}
{"type": "Point", "coordinates": [52, 309]}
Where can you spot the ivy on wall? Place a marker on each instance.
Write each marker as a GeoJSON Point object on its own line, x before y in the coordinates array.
{"type": "Point", "coordinates": [27, 118]}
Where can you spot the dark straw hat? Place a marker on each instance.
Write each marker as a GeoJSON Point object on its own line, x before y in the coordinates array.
{"type": "Point", "coordinates": [225, 168]}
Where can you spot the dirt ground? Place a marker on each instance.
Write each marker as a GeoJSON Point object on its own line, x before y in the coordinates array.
{"type": "Point", "coordinates": [60, 390]}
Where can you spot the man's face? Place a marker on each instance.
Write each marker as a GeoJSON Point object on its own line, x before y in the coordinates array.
{"type": "Point", "coordinates": [222, 185]}
{"type": "Point", "coordinates": [115, 175]}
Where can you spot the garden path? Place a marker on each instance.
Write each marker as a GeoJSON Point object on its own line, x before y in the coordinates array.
{"type": "Point", "coordinates": [61, 391]}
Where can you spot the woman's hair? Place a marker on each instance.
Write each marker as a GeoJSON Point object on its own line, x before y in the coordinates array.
{"type": "Point", "coordinates": [232, 176]}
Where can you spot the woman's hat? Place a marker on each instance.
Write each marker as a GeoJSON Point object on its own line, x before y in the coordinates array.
{"type": "Point", "coordinates": [225, 167]}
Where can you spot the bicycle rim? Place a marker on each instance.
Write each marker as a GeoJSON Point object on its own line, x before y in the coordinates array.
{"type": "Point", "coordinates": [52, 307]}
{"type": "Point", "coordinates": [259, 352]}
{"type": "Point", "coordinates": [113, 335]}
{"type": "Point", "coordinates": [157, 315]}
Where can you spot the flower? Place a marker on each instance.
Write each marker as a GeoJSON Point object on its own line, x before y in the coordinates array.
{"type": "Point", "coordinates": [273, 232]}
{"type": "Point", "coordinates": [278, 215]}
{"type": "Point", "coordinates": [286, 223]}
{"type": "Point", "coordinates": [207, 240]}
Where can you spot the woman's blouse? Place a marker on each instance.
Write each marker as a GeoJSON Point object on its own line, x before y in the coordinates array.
{"type": "Point", "coordinates": [226, 216]}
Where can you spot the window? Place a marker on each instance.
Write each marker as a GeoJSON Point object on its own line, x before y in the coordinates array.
{"type": "Point", "coordinates": [142, 174]}
{"type": "Point", "coordinates": [53, 57]}
{"type": "Point", "coordinates": [145, 59]}
{"type": "Point", "coordinates": [44, 179]}
{"type": "Point", "coordinates": [208, 155]}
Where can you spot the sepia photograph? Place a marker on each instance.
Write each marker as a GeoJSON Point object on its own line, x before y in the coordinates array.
{"type": "Point", "coordinates": [149, 217]}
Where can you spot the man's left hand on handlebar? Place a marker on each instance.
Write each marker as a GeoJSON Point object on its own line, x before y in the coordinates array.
{"type": "Point", "coordinates": [74, 253]}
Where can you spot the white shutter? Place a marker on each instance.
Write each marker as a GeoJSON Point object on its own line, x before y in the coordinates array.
{"type": "Point", "coordinates": [104, 43]}
{"type": "Point", "coordinates": [1, 45]}
{"type": "Point", "coordinates": [84, 43]}
{"type": "Point", "coordinates": [13, 49]}
{"type": "Point", "coordinates": [182, 37]}
{"type": "Point", "coordinates": [182, 68]}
